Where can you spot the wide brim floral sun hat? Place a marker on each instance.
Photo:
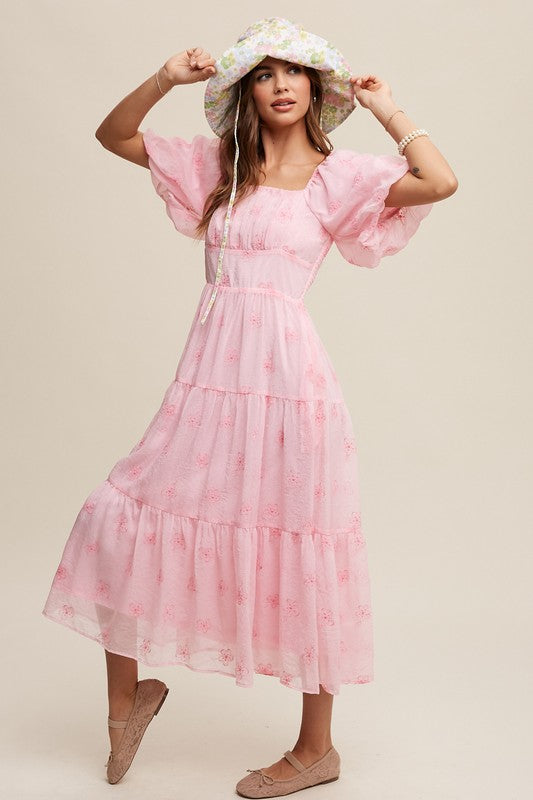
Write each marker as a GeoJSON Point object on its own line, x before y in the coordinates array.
{"type": "Point", "coordinates": [280, 38]}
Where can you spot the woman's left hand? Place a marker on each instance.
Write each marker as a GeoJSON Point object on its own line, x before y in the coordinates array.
{"type": "Point", "coordinates": [368, 88]}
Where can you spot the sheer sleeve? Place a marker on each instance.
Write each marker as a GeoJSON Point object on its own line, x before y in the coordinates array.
{"type": "Point", "coordinates": [347, 193]}
{"type": "Point", "coordinates": [183, 174]}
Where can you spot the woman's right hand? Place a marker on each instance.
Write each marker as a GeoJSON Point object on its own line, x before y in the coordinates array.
{"type": "Point", "coordinates": [194, 64]}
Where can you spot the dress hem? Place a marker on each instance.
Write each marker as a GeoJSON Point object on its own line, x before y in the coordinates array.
{"type": "Point", "coordinates": [146, 663]}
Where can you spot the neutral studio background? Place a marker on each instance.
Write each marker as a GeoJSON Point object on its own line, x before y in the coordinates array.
{"type": "Point", "coordinates": [433, 349]}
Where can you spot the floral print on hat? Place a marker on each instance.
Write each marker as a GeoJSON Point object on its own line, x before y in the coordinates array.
{"type": "Point", "coordinates": [280, 38]}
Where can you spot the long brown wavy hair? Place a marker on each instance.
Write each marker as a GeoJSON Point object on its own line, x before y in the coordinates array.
{"type": "Point", "coordinates": [251, 151]}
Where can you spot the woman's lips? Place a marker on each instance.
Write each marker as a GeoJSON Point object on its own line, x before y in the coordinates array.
{"type": "Point", "coordinates": [283, 107]}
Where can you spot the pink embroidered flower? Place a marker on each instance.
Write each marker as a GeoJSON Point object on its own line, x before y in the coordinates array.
{"type": "Point", "coordinates": [145, 647]}
{"type": "Point", "coordinates": [169, 409]}
{"type": "Point", "coordinates": [271, 510]}
{"type": "Point", "coordinates": [343, 575]}
{"type": "Point", "coordinates": [325, 616]}
{"type": "Point", "coordinates": [198, 161]}
{"type": "Point", "coordinates": [291, 607]}
{"type": "Point", "coordinates": [61, 573]}
{"type": "Point", "coordinates": [241, 597]}
{"type": "Point", "coordinates": [191, 584]}
{"type": "Point", "coordinates": [222, 587]}
{"type": "Point", "coordinates": [273, 600]}
{"type": "Point", "coordinates": [150, 537]}
{"type": "Point", "coordinates": [310, 579]}
{"type": "Point", "coordinates": [89, 506]}
{"type": "Point", "coordinates": [349, 445]}
{"type": "Point", "coordinates": [265, 669]}
{"type": "Point", "coordinates": [334, 206]}
{"type": "Point", "coordinates": [169, 612]}
{"type": "Point", "coordinates": [183, 652]}
{"type": "Point", "coordinates": [206, 553]}
{"type": "Point", "coordinates": [202, 459]}
{"type": "Point", "coordinates": [320, 415]}
{"type": "Point", "coordinates": [67, 610]}
{"type": "Point", "coordinates": [309, 655]}
{"type": "Point", "coordinates": [134, 471]}
{"type": "Point", "coordinates": [227, 421]}
{"type": "Point", "coordinates": [213, 494]}
{"type": "Point", "coordinates": [286, 678]}
{"type": "Point", "coordinates": [225, 655]}
{"type": "Point", "coordinates": [293, 479]}
{"type": "Point", "coordinates": [169, 491]}
{"type": "Point", "coordinates": [362, 612]}
{"type": "Point", "coordinates": [319, 491]}
{"type": "Point", "coordinates": [232, 355]}
{"type": "Point", "coordinates": [284, 215]}
{"type": "Point", "coordinates": [121, 525]}
{"type": "Point", "coordinates": [281, 436]}
{"type": "Point", "coordinates": [268, 364]}
{"type": "Point", "coordinates": [296, 537]}
{"type": "Point", "coordinates": [178, 541]}
{"type": "Point", "coordinates": [193, 420]}
{"type": "Point", "coordinates": [197, 354]}
{"type": "Point", "coordinates": [203, 625]}
{"type": "Point", "coordinates": [291, 335]}
{"type": "Point", "coordinates": [246, 508]}
{"type": "Point", "coordinates": [102, 590]}
{"type": "Point", "coordinates": [136, 609]}
{"type": "Point", "coordinates": [256, 319]}
{"type": "Point", "coordinates": [359, 541]}
{"type": "Point", "coordinates": [265, 285]}
{"type": "Point", "coordinates": [224, 279]}
{"type": "Point", "coordinates": [241, 671]}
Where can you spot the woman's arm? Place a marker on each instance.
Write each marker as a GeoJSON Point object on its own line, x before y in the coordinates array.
{"type": "Point", "coordinates": [430, 177]}
{"type": "Point", "coordinates": [119, 131]}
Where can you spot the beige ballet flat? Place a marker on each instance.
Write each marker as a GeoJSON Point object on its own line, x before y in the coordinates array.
{"type": "Point", "coordinates": [258, 784]}
{"type": "Point", "coordinates": [149, 698]}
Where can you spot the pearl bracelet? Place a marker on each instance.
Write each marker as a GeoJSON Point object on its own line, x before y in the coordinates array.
{"type": "Point", "coordinates": [402, 144]}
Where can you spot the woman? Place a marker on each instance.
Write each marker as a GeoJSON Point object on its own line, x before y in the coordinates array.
{"type": "Point", "coordinates": [229, 539]}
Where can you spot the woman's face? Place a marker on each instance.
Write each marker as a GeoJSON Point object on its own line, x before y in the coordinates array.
{"type": "Point", "coordinates": [276, 81]}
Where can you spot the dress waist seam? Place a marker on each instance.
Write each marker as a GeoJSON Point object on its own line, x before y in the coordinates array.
{"type": "Point", "coordinates": [298, 301]}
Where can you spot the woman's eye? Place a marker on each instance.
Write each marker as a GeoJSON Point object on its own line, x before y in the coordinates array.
{"type": "Point", "coordinates": [264, 74]}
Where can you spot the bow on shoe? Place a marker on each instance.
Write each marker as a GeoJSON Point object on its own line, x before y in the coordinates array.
{"type": "Point", "coordinates": [264, 778]}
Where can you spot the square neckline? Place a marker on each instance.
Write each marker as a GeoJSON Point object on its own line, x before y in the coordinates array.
{"type": "Point", "coordinates": [311, 179]}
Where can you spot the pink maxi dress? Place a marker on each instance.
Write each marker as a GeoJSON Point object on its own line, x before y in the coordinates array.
{"type": "Point", "coordinates": [229, 539]}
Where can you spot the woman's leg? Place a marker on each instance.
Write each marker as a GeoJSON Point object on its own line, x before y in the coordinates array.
{"type": "Point", "coordinates": [122, 677]}
{"type": "Point", "coordinates": [314, 739]}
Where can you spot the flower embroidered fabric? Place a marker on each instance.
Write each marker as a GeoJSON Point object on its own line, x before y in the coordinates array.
{"type": "Point", "coordinates": [229, 538]}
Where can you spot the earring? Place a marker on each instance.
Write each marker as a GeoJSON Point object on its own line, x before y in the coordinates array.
{"type": "Point", "coordinates": [314, 98]}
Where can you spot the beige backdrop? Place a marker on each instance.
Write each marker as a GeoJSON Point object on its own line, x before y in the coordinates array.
{"type": "Point", "coordinates": [433, 349]}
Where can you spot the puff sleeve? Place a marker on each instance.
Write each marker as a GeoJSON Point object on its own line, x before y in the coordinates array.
{"type": "Point", "coordinates": [183, 174]}
{"type": "Point", "coordinates": [347, 193]}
